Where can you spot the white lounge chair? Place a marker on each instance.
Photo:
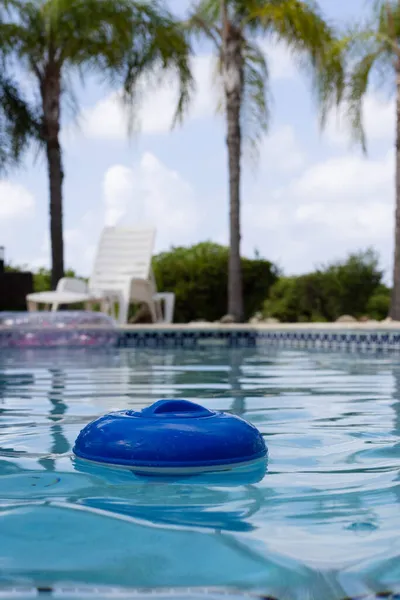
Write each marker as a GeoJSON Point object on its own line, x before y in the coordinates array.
{"type": "Point", "coordinates": [122, 273]}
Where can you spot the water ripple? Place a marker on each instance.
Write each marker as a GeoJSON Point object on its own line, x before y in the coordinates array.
{"type": "Point", "coordinates": [323, 523]}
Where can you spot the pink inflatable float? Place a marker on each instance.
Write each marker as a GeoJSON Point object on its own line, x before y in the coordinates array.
{"type": "Point", "coordinates": [55, 329]}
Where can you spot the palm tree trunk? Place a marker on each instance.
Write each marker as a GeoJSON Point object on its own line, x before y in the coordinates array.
{"type": "Point", "coordinates": [395, 302]}
{"type": "Point", "coordinates": [51, 99]}
{"type": "Point", "coordinates": [232, 64]}
{"type": "Point", "coordinates": [235, 288]}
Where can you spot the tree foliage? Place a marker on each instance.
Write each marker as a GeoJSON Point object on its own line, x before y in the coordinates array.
{"type": "Point", "coordinates": [373, 51]}
{"type": "Point", "coordinates": [118, 40]}
{"type": "Point", "coordinates": [351, 287]}
{"type": "Point", "coordinates": [50, 42]}
{"type": "Point", "coordinates": [18, 124]}
{"type": "Point", "coordinates": [379, 303]}
{"type": "Point", "coordinates": [300, 26]}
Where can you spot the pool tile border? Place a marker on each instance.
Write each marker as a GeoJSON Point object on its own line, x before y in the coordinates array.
{"type": "Point", "coordinates": [350, 341]}
{"type": "Point", "coordinates": [111, 592]}
{"type": "Point", "coordinates": [364, 340]}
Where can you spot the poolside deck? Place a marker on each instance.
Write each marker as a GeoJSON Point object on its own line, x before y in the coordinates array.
{"type": "Point", "coordinates": [264, 327]}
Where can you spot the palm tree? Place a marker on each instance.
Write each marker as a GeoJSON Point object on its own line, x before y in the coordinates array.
{"type": "Point", "coordinates": [234, 27]}
{"type": "Point", "coordinates": [119, 40]}
{"type": "Point", "coordinates": [374, 56]}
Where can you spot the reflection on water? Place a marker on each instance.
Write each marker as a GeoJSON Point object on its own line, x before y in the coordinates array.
{"type": "Point", "coordinates": [322, 523]}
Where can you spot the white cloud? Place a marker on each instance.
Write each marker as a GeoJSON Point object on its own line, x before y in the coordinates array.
{"type": "Point", "coordinates": [281, 156]}
{"type": "Point", "coordinates": [16, 202]}
{"type": "Point", "coordinates": [108, 119]}
{"type": "Point", "coordinates": [148, 193]}
{"type": "Point", "coordinates": [118, 188]}
{"type": "Point", "coordinates": [281, 151]}
{"type": "Point", "coordinates": [346, 179]}
{"type": "Point", "coordinates": [81, 242]}
{"type": "Point", "coordinates": [378, 121]}
{"type": "Point", "coordinates": [151, 193]}
{"type": "Point", "coordinates": [333, 207]}
{"type": "Point", "coordinates": [41, 256]}
{"type": "Point", "coordinates": [279, 58]}
{"type": "Point", "coordinates": [299, 216]}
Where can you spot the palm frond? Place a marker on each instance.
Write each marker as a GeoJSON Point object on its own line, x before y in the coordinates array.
{"type": "Point", "coordinates": [161, 47]}
{"type": "Point", "coordinates": [89, 33]}
{"type": "Point", "coordinates": [373, 53]}
{"type": "Point", "coordinates": [256, 98]}
{"type": "Point", "coordinates": [329, 79]}
{"type": "Point", "coordinates": [208, 12]}
{"type": "Point", "coordinates": [19, 124]}
{"type": "Point", "coordinates": [120, 40]}
{"type": "Point", "coordinates": [357, 87]}
{"type": "Point", "coordinates": [125, 40]}
{"type": "Point", "coordinates": [311, 40]}
{"type": "Point", "coordinates": [24, 33]}
{"type": "Point", "coordinates": [205, 20]}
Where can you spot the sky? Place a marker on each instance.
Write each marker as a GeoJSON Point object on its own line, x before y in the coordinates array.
{"type": "Point", "coordinates": [311, 198]}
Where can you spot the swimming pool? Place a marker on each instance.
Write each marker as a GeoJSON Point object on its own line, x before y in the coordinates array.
{"type": "Point", "coordinates": [324, 522]}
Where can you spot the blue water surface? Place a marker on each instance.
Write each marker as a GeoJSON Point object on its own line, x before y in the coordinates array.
{"type": "Point", "coordinates": [323, 523]}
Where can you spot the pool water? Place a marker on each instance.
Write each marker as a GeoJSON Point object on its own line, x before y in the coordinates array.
{"type": "Point", "coordinates": [323, 523]}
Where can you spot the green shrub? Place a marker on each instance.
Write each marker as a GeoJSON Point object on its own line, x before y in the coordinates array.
{"type": "Point", "coordinates": [295, 299]}
{"type": "Point", "coordinates": [282, 302]}
{"type": "Point", "coordinates": [41, 277]}
{"type": "Point", "coordinates": [341, 288]}
{"type": "Point", "coordinates": [199, 277]}
{"type": "Point", "coordinates": [353, 282]}
{"type": "Point", "coordinates": [379, 303]}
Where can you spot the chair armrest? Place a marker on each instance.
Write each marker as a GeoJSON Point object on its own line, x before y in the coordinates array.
{"type": "Point", "coordinates": [72, 284]}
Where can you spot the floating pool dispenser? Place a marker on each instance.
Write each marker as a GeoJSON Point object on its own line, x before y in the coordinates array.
{"type": "Point", "coordinates": [171, 437]}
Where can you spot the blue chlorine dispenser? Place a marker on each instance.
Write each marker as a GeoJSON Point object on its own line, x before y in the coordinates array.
{"type": "Point", "coordinates": [171, 437]}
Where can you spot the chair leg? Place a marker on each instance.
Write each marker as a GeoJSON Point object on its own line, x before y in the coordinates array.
{"type": "Point", "coordinates": [105, 306]}
{"type": "Point", "coordinates": [153, 312]}
{"type": "Point", "coordinates": [169, 305]}
{"type": "Point", "coordinates": [32, 306]}
{"type": "Point", "coordinates": [160, 310]}
{"type": "Point", "coordinates": [123, 311]}
{"type": "Point", "coordinates": [112, 304]}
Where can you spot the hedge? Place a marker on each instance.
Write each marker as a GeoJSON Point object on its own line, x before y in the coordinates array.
{"type": "Point", "coordinates": [199, 278]}
{"type": "Point", "coordinates": [350, 287]}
